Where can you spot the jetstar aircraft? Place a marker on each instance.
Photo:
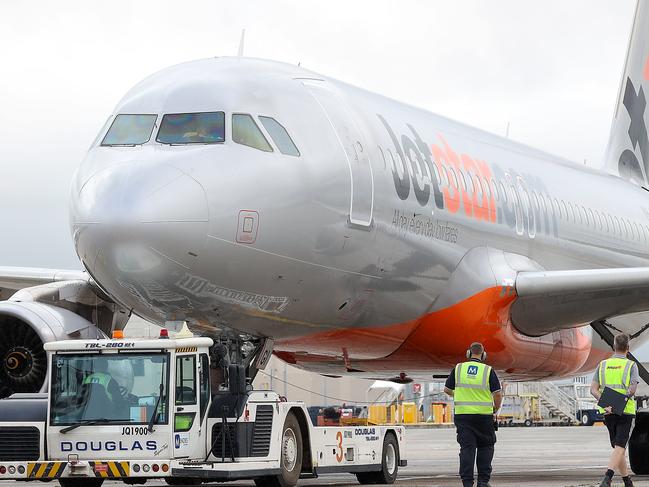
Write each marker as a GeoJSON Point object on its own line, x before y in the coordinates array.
{"type": "Point", "coordinates": [261, 202]}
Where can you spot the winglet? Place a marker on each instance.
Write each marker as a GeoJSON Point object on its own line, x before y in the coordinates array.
{"type": "Point", "coordinates": [243, 38]}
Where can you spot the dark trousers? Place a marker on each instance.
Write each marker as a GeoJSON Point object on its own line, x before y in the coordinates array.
{"type": "Point", "coordinates": [476, 436]}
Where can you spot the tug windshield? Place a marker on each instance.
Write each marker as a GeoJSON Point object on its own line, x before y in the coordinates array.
{"type": "Point", "coordinates": [109, 388]}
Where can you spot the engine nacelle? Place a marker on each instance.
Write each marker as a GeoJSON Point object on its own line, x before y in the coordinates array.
{"type": "Point", "coordinates": [24, 328]}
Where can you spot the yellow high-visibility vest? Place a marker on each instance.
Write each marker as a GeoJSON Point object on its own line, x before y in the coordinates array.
{"type": "Point", "coordinates": [615, 373]}
{"type": "Point", "coordinates": [101, 379]}
{"type": "Point", "coordinates": [472, 393]}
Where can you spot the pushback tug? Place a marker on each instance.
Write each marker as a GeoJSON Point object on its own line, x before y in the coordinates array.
{"type": "Point", "coordinates": [137, 409]}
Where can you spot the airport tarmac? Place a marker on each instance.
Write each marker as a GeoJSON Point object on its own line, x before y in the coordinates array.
{"type": "Point", "coordinates": [549, 457]}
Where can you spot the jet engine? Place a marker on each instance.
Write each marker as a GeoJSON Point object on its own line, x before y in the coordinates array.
{"type": "Point", "coordinates": [24, 328]}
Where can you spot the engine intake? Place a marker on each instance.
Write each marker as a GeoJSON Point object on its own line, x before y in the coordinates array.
{"type": "Point", "coordinates": [24, 328]}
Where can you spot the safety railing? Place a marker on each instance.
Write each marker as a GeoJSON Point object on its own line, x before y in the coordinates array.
{"type": "Point", "coordinates": [556, 401]}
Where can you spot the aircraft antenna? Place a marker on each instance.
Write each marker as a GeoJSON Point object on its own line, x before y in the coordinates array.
{"type": "Point", "coordinates": [241, 41]}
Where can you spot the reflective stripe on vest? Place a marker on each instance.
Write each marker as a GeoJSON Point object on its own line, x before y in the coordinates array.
{"type": "Point", "coordinates": [472, 393]}
{"type": "Point", "coordinates": [615, 373]}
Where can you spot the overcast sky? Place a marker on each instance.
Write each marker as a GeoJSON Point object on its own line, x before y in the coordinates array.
{"type": "Point", "coordinates": [550, 69]}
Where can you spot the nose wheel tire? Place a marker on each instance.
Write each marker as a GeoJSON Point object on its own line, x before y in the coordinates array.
{"type": "Point", "coordinates": [290, 458]}
{"type": "Point", "coordinates": [389, 464]}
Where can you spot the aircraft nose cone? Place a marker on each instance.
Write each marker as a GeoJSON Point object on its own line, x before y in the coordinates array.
{"type": "Point", "coordinates": [137, 216]}
{"type": "Point", "coordinates": [139, 193]}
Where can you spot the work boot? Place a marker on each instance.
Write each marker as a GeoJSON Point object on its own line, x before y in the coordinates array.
{"type": "Point", "coordinates": [467, 483]}
{"type": "Point", "coordinates": [606, 482]}
{"type": "Point", "coordinates": [627, 482]}
{"type": "Point", "coordinates": [487, 484]}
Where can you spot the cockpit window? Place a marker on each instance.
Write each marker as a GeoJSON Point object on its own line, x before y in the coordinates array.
{"type": "Point", "coordinates": [246, 132]}
{"type": "Point", "coordinates": [128, 130]}
{"type": "Point", "coordinates": [280, 136]}
{"type": "Point", "coordinates": [192, 128]}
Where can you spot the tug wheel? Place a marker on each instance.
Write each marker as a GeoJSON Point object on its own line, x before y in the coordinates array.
{"type": "Point", "coordinates": [290, 456]}
{"type": "Point", "coordinates": [80, 482]}
{"type": "Point", "coordinates": [389, 464]}
{"type": "Point", "coordinates": [182, 481]}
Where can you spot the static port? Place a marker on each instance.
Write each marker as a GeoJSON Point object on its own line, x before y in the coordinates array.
{"type": "Point", "coordinates": [155, 467]}
{"type": "Point", "coordinates": [12, 469]}
{"type": "Point", "coordinates": [21, 469]}
{"type": "Point", "coordinates": [136, 468]}
{"type": "Point", "coordinates": [165, 467]}
{"type": "Point", "coordinates": [145, 468]}
{"type": "Point", "coordinates": [3, 469]}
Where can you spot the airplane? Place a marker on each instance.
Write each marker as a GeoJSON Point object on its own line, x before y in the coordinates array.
{"type": "Point", "coordinates": [270, 206]}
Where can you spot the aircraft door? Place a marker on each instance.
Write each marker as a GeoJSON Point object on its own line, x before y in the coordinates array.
{"type": "Point", "coordinates": [350, 134]}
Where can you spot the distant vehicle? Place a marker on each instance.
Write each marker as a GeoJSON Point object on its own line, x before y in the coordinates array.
{"type": "Point", "coordinates": [588, 417]}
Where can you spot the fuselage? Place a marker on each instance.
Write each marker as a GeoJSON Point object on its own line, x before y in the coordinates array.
{"type": "Point", "coordinates": [348, 254]}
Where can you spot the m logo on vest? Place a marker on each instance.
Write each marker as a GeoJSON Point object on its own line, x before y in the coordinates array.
{"type": "Point", "coordinates": [472, 392]}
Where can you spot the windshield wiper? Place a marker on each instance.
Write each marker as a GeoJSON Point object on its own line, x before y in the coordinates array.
{"type": "Point", "coordinates": [93, 421]}
{"type": "Point", "coordinates": [154, 414]}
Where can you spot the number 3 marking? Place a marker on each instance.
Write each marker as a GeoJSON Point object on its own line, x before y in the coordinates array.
{"type": "Point", "coordinates": [339, 455]}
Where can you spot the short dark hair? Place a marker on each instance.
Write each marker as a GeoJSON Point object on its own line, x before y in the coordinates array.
{"type": "Point", "coordinates": [621, 342]}
{"type": "Point", "coordinates": [476, 348]}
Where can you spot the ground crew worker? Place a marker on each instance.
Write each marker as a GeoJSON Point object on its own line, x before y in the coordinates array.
{"type": "Point", "coordinates": [101, 376]}
{"type": "Point", "coordinates": [620, 374]}
{"type": "Point", "coordinates": [477, 397]}
{"type": "Point", "coordinates": [101, 404]}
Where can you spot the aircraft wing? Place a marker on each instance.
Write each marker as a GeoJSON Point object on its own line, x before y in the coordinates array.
{"type": "Point", "coordinates": [548, 301]}
{"type": "Point", "coordinates": [13, 279]}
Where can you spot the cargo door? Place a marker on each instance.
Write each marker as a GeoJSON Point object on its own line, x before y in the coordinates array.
{"type": "Point", "coordinates": [355, 150]}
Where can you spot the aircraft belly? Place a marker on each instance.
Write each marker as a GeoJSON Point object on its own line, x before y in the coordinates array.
{"type": "Point", "coordinates": [474, 305]}
{"type": "Point", "coordinates": [275, 296]}
{"type": "Point", "coordinates": [441, 338]}
{"type": "Point", "coordinates": [285, 300]}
